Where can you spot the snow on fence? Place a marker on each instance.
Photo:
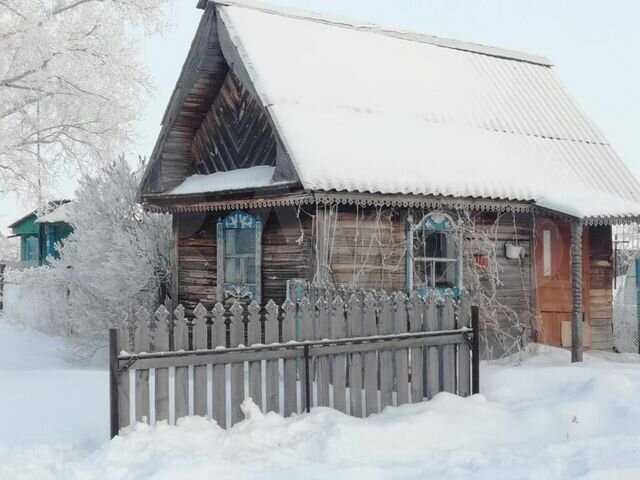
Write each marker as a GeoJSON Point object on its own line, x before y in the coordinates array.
{"type": "Point", "coordinates": [357, 355]}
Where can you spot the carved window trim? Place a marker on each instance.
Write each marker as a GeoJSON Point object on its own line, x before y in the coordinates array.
{"type": "Point", "coordinates": [437, 222]}
{"type": "Point", "coordinates": [236, 221]}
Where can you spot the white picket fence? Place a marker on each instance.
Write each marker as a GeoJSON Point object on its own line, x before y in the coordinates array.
{"type": "Point", "coordinates": [357, 355]}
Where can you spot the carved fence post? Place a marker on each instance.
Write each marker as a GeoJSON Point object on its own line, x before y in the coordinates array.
{"type": "Point", "coordinates": [181, 342]}
{"type": "Point", "coordinates": [254, 336]}
{"type": "Point", "coordinates": [306, 333]}
{"type": "Point", "coordinates": [339, 330]}
{"type": "Point", "coordinates": [322, 363]}
{"type": "Point", "coordinates": [272, 377]}
{"type": "Point", "coordinates": [199, 340]}
{"type": "Point", "coordinates": [237, 369]}
{"type": "Point", "coordinates": [142, 376]}
{"type": "Point", "coordinates": [354, 329]}
{"type": "Point", "coordinates": [370, 358]}
{"type": "Point", "coordinates": [386, 356]}
{"type": "Point", "coordinates": [218, 340]}
{"type": "Point", "coordinates": [290, 365]}
{"type": "Point", "coordinates": [401, 356]}
{"type": "Point", "coordinates": [416, 308]}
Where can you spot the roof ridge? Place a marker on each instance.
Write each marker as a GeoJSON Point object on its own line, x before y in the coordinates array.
{"type": "Point", "coordinates": [384, 30]}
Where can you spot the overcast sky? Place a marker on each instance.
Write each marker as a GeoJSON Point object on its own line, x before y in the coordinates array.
{"type": "Point", "coordinates": [592, 43]}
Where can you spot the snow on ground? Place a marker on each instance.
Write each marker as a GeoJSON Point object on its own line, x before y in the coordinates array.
{"type": "Point", "coordinates": [538, 418]}
{"type": "Point", "coordinates": [48, 408]}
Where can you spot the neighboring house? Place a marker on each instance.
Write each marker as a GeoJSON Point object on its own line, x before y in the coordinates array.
{"type": "Point", "coordinates": [299, 146]}
{"type": "Point", "coordinates": [39, 235]}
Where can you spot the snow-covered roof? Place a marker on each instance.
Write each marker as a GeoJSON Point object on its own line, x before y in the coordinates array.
{"type": "Point", "coordinates": [57, 215]}
{"type": "Point", "coordinates": [243, 178]}
{"type": "Point", "coordinates": [367, 109]}
{"type": "Point", "coordinates": [361, 110]}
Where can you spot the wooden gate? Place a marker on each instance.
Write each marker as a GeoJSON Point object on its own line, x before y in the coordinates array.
{"type": "Point", "coordinates": [358, 356]}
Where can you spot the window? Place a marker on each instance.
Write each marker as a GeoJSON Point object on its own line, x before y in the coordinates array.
{"type": "Point", "coordinates": [31, 252]}
{"type": "Point", "coordinates": [434, 254]}
{"type": "Point", "coordinates": [546, 252]}
{"type": "Point", "coordinates": [238, 246]}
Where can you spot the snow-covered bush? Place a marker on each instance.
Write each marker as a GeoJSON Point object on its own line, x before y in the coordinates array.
{"type": "Point", "coordinates": [8, 249]}
{"type": "Point", "coordinates": [116, 259]}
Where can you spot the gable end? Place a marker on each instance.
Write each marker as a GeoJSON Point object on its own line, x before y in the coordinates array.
{"type": "Point", "coordinates": [235, 133]}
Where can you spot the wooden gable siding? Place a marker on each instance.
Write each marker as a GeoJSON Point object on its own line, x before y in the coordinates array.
{"type": "Point", "coordinates": [202, 75]}
{"type": "Point", "coordinates": [236, 132]}
{"type": "Point", "coordinates": [600, 295]}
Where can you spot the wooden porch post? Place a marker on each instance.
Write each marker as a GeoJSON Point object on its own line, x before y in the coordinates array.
{"type": "Point", "coordinates": [576, 287]}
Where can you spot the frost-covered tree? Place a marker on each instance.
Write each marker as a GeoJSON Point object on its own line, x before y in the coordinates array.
{"type": "Point", "coordinates": [71, 83]}
{"type": "Point", "coordinates": [8, 249]}
{"type": "Point", "coordinates": [116, 260]}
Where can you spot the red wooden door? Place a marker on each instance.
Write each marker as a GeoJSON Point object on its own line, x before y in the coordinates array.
{"type": "Point", "coordinates": [553, 274]}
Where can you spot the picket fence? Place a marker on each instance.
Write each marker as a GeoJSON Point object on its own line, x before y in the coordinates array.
{"type": "Point", "coordinates": [357, 355]}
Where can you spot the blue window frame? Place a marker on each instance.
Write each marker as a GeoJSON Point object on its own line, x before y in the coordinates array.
{"type": "Point", "coordinates": [239, 239]}
{"type": "Point", "coordinates": [433, 255]}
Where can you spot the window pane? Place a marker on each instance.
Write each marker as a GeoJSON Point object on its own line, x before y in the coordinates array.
{"type": "Point", "coordinates": [431, 244]}
{"type": "Point", "coordinates": [240, 241]}
{"type": "Point", "coordinates": [446, 274]}
{"type": "Point", "coordinates": [435, 245]}
{"type": "Point", "coordinates": [232, 273]}
{"type": "Point", "coordinates": [251, 270]}
{"type": "Point", "coordinates": [429, 271]}
{"type": "Point", "coordinates": [422, 274]}
{"type": "Point", "coordinates": [546, 252]}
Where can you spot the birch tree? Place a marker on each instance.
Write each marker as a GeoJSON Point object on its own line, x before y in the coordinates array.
{"type": "Point", "coordinates": [71, 84]}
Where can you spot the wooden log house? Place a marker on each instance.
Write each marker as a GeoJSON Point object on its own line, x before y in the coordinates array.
{"type": "Point", "coordinates": [297, 146]}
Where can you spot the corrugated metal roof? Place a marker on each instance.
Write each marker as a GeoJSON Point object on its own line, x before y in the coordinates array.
{"type": "Point", "coordinates": [363, 112]}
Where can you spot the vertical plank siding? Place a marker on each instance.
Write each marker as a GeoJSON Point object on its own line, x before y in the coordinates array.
{"type": "Point", "coordinates": [600, 278]}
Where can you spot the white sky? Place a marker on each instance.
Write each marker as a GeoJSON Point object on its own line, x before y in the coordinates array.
{"type": "Point", "coordinates": [593, 44]}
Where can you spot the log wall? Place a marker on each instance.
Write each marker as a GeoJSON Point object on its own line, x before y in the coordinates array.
{"type": "Point", "coordinates": [512, 309]}
{"type": "Point", "coordinates": [366, 249]}
{"type": "Point", "coordinates": [197, 275]}
{"type": "Point", "coordinates": [286, 253]}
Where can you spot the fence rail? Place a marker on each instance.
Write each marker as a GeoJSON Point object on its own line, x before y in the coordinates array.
{"type": "Point", "coordinates": [357, 355]}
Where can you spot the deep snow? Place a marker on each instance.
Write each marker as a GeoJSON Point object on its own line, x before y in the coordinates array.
{"type": "Point", "coordinates": [538, 417]}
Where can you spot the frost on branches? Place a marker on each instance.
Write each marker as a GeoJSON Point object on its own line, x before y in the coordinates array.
{"type": "Point", "coordinates": [8, 249]}
{"type": "Point", "coordinates": [71, 83]}
{"type": "Point", "coordinates": [117, 259]}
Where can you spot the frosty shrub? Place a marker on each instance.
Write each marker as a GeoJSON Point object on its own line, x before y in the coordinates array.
{"type": "Point", "coordinates": [116, 259]}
